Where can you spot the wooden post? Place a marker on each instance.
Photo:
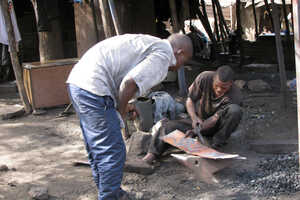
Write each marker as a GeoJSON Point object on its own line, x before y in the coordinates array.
{"type": "Point", "coordinates": [108, 30]}
{"type": "Point", "coordinates": [286, 22]}
{"type": "Point", "coordinates": [255, 19]}
{"type": "Point", "coordinates": [14, 57]}
{"type": "Point", "coordinates": [239, 31]}
{"type": "Point", "coordinates": [216, 20]}
{"type": "Point", "coordinates": [115, 18]}
{"type": "Point", "coordinates": [50, 42]}
{"type": "Point", "coordinates": [296, 14]}
{"type": "Point", "coordinates": [176, 28]}
{"type": "Point", "coordinates": [270, 14]}
{"type": "Point", "coordinates": [280, 55]}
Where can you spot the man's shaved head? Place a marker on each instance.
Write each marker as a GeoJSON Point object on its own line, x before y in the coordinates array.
{"type": "Point", "coordinates": [182, 47]}
{"type": "Point", "coordinates": [180, 41]}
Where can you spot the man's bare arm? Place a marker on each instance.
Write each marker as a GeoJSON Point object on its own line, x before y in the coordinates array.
{"type": "Point", "coordinates": [190, 107]}
{"type": "Point", "coordinates": [125, 94]}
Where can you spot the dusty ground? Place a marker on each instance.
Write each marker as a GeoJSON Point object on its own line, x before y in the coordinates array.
{"type": "Point", "coordinates": [40, 150]}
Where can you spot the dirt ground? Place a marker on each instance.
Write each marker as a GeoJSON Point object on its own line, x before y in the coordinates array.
{"type": "Point", "coordinates": [40, 150]}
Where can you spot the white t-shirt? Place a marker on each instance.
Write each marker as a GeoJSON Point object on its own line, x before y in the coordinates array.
{"type": "Point", "coordinates": [103, 68]}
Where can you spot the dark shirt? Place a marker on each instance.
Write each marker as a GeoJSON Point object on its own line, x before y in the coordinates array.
{"type": "Point", "coordinates": [202, 94]}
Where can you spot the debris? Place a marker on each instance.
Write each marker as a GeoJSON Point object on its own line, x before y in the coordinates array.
{"type": "Point", "coordinates": [39, 193]}
{"type": "Point", "coordinates": [258, 85]}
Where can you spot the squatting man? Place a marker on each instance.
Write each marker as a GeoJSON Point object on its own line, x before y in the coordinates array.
{"type": "Point", "coordinates": [213, 104]}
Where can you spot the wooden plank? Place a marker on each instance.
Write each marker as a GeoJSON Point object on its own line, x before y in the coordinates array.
{"type": "Point", "coordinates": [14, 56]}
{"type": "Point", "coordinates": [216, 20]}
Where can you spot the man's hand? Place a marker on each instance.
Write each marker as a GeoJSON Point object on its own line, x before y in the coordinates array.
{"type": "Point", "coordinates": [196, 122]}
{"type": "Point", "coordinates": [131, 112]}
{"type": "Point", "coordinates": [189, 133]}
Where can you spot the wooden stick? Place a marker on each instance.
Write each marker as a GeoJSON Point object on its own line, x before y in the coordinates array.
{"type": "Point", "coordinates": [255, 19]}
{"type": "Point", "coordinates": [280, 56]}
{"type": "Point", "coordinates": [14, 57]}
{"type": "Point", "coordinates": [109, 32]}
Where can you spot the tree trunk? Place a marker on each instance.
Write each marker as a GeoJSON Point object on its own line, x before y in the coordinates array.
{"type": "Point", "coordinates": [14, 57]}
{"type": "Point", "coordinates": [50, 42]}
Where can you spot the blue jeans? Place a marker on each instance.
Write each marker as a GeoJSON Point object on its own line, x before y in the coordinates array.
{"type": "Point", "coordinates": [101, 130]}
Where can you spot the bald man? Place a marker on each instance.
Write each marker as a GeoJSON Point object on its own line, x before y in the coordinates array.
{"type": "Point", "coordinates": [100, 86]}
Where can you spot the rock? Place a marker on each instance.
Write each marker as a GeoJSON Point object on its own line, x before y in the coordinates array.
{"type": "Point", "coordinates": [240, 84]}
{"type": "Point", "coordinates": [3, 168]}
{"type": "Point", "coordinates": [258, 85]}
{"type": "Point", "coordinates": [39, 193]}
{"type": "Point", "coordinates": [138, 143]}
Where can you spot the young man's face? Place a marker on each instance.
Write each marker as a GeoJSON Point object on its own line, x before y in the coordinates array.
{"type": "Point", "coordinates": [219, 87]}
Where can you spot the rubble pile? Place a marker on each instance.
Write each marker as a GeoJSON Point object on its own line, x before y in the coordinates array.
{"type": "Point", "coordinates": [272, 176]}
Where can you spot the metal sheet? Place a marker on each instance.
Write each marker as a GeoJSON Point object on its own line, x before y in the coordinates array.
{"type": "Point", "coordinates": [192, 146]}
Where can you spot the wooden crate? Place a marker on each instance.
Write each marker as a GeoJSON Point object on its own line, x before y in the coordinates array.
{"type": "Point", "coordinates": [45, 83]}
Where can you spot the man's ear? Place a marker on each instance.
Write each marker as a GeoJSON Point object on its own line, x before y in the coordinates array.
{"type": "Point", "coordinates": [179, 51]}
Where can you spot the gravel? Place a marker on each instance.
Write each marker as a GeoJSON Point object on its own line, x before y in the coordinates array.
{"type": "Point", "coordinates": [271, 177]}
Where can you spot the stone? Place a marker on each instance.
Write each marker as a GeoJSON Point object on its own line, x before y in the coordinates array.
{"type": "Point", "coordinates": [138, 143]}
{"type": "Point", "coordinates": [3, 168]}
{"type": "Point", "coordinates": [240, 84]}
{"type": "Point", "coordinates": [39, 193]}
{"type": "Point", "coordinates": [258, 85]}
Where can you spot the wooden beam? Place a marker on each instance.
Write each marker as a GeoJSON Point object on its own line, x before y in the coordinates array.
{"type": "Point", "coordinates": [176, 28]}
{"type": "Point", "coordinates": [296, 26]}
{"type": "Point", "coordinates": [106, 19]}
{"type": "Point", "coordinates": [14, 57]}
{"type": "Point", "coordinates": [173, 10]}
{"type": "Point", "coordinates": [280, 55]}
{"type": "Point", "coordinates": [255, 19]}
